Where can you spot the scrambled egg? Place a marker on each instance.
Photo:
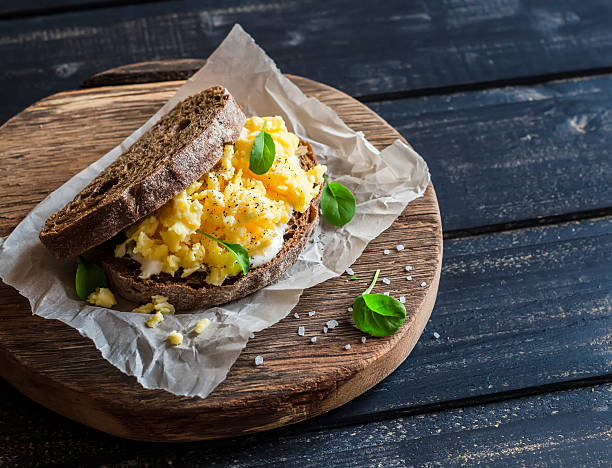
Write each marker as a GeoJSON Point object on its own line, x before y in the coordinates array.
{"type": "Point", "coordinates": [231, 203]}
{"type": "Point", "coordinates": [155, 320]}
{"type": "Point", "coordinates": [175, 338]}
{"type": "Point", "coordinates": [158, 304]}
{"type": "Point", "coordinates": [102, 297]}
{"type": "Point", "coordinates": [201, 325]}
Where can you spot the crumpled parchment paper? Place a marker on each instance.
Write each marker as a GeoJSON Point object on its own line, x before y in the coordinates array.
{"type": "Point", "coordinates": [383, 184]}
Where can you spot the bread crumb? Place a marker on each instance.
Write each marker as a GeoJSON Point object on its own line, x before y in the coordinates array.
{"type": "Point", "coordinates": [155, 320]}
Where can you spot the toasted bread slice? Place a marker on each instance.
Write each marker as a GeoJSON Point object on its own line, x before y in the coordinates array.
{"type": "Point", "coordinates": [186, 143]}
{"type": "Point", "coordinates": [193, 292]}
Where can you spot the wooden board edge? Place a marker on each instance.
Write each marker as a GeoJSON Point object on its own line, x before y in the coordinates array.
{"type": "Point", "coordinates": [355, 383]}
{"type": "Point", "coordinates": [145, 72]}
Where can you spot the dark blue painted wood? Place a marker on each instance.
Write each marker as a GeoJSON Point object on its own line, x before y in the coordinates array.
{"type": "Point", "coordinates": [509, 154]}
{"type": "Point", "coordinates": [515, 310]}
{"type": "Point", "coordinates": [358, 47]}
{"type": "Point", "coordinates": [560, 429]}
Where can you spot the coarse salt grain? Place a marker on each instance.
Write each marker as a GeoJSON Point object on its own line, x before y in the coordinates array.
{"type": "Point", "coordinates": [409, 278]}
{"type": "Point", "coordinates": [311, 313]}
{"type": "Point", "coordinates": [313, 339]}
{"type": "Point", "coordinates": [350, 309]}
{"type": "Point", "coordinates": [324, 329]}
{"type": "Point", "coordinates": [386, 251]}
{"type": "Point", "coordinates": [436, 335]}
{"type": "Point", "coordinates": [386, 280]}
{"type": "Point", "coordinates": [363, 339]}
{"type": "Point", "coordinates": [258, 360]}
{"type": "Point", "coordinates": [252, 335]}
{"type": "Point", "coordinates": [408, 268]}
{"type": "Point", "coordinates": [386, 293]}
{"type": "Point", "coordinates": [349, 271]}
{"type": "Point", "coordinates": [399, 247]}
{"type": "Point", "coordinates": [332, 324]}
{"type": "Point", "coordinates": [347, 347]}
{"type": "Point", "coordinates": [301, 331]}
{"type": "Point", "coordinates": [296, 315]}
{"type": "Point", "coordinates": [402, 299]}
{"type": "Point", "coordinates": [423, 284]}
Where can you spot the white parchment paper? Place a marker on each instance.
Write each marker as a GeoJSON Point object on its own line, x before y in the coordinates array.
{"type": "Point", "coordinates": [383, 183]}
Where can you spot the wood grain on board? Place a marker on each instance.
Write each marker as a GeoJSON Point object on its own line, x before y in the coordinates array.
{"type": "Point", "coordinates": [394, 47]}
{"type": "Point", "coordinates": [52, 140]}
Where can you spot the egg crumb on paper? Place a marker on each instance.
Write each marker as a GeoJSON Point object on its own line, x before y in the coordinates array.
{"type": "Point", "coordinates": [102, 297]}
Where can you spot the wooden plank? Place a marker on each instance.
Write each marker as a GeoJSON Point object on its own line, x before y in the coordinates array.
{"type": "Point", "coordinates": [560, 429]}
{"type": "Point", "coordinates": [510, 154]}
{"type": "Point", "coordinates": [362, 50]}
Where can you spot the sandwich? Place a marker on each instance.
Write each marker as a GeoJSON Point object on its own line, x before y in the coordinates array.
{"type": "Point", "coordinates": [166, 218]}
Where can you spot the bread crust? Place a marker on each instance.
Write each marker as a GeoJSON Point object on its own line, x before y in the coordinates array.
{"type": "Point", "coordinates": [185, 144]}
{"type": "Point", "coordinates": [193, 292]}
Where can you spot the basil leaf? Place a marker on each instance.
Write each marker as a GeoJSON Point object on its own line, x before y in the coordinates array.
{"type": "Point", "coordinates": [89, 276]}
{"type": "Point", "coordinates": [239, 252]}
{"type": "Point", "coordinates": [378, 314]}
{"type": "Point", "coordinates": [337, 203]}
{"type": "Point", "coordinates": [262, 153]}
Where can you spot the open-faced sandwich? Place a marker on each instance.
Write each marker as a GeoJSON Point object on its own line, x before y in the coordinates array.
{"type": "Point", "coordinates": [205, 207]}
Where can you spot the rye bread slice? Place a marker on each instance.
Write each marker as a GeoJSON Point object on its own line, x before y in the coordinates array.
{"type": "Point", "coordinates": [186, 143]}
{"type": "Point", "coordinates": [193, 292]}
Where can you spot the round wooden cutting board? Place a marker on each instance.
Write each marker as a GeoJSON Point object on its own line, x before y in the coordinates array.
{"type": "Point", "coordinates": [51, 363]}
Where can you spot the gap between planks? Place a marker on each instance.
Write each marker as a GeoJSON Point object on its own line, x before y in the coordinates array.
{"type": "Point", "coordinates": [71, 8]}
{"type": "Point", "coordinates": [469, 402]}
{"type": "Point", "coordinates": [588, 215]}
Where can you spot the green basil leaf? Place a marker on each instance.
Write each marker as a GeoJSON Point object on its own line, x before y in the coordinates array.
{"type": "Point", "coordinates": [378, 314]}
{"type": "Point", "coordinates": [239, 252]}
{"type": "Point", "coordinates": [89, 276]}
{"type": "Point", "coordinates": [337, 203]}
{"type": "Point", "coordinates": [262, 153]}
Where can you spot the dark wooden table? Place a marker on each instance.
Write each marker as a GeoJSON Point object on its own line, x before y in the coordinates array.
{"type": "Point", "coordinates": [509, 102]}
